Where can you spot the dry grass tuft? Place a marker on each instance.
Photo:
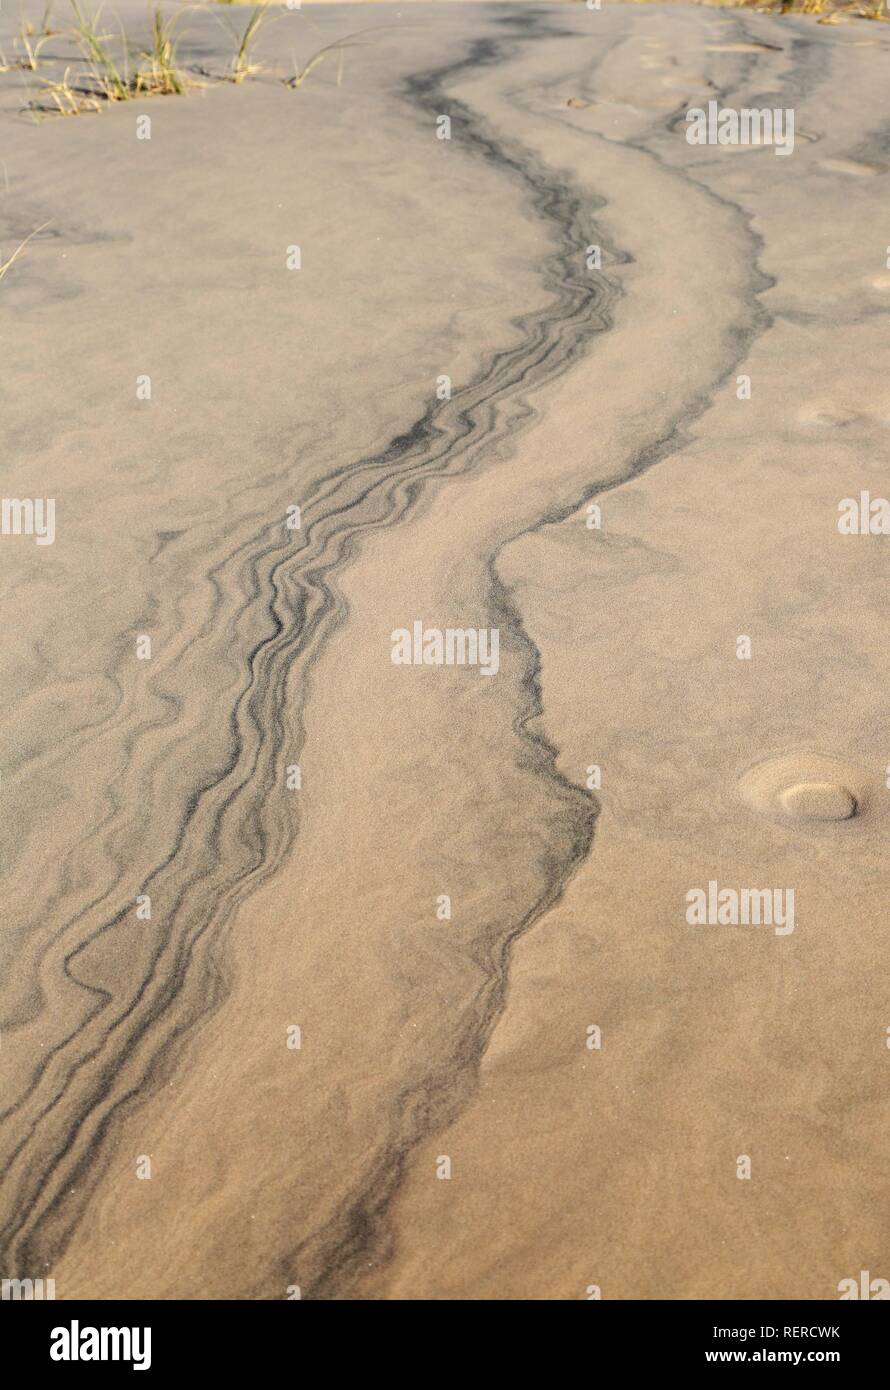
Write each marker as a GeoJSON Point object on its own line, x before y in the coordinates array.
{"type": "Point", "coordinates": [59, 98]}
{"type": "Point", "coordinates": [30, 46]}
{"type": "Point", "coordinates": [115, 70]}
{"type": "Point", "coordinates": [112, 84]}
{"type": "Point", "coordinates": [27, 44]}
{"type": "Point", "coordinates": [109, 78]}
{"type": "Point", "coordinates": [162, 77]}
{"type": "Point", "coordinates": [241, 65]}
{"type": "Point", "coordinates": [826, 11]}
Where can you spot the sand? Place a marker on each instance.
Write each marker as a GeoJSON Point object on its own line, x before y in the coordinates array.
{"type": "Point", "coordinates": [299, 1075]}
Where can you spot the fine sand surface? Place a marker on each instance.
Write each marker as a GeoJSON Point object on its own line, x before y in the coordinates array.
{"type": "Point", "coordinates": [128, 1039]}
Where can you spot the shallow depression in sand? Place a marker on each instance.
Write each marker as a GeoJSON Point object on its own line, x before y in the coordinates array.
{"type": "Point", "coordinates": [818, 801]}
{"type": "Point", "coordinates": [806, 788]}
{"type": "Point", "coordinates": [829, 414]}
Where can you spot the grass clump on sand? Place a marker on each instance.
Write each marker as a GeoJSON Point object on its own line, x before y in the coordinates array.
{"type": "Point", "coordinates": [112, 84]}
{"type": "Point", "coordinates": [61, 99]}
{"type": "Point", "coordinates": [109, 77]}
{"type": "Point", "coordinates": [828, 11]}
{"type": "Point", "coordinates": [28, 43]}
{"type": "Point", "coordinates": [162, 76]}
{"type": "Point", "coordinates": [876, 10]}
{"type": "Point", "coordinates": [115, 70]}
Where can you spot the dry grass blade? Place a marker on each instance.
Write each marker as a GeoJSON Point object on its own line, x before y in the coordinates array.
{"type": "Point", "coordinates": [4, 265]}
{"type": "Point", "coordinates": [338, 47]}
{"type": "Point", "coordinates": [300, 74]}
{"type": "Point", "coordinates": [31, 48]}
{"type": "Point", "coordinates": [241, 65]}
{"type": "Point", "coordinates": [47, 14]}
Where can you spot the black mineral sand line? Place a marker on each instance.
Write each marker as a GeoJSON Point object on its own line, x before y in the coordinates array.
{"type": "Point", "coordinates": [357, 1235]}
{"type": "Point", "coordinates": [399, 448]}
{"type": "Point", "coordinates": [361, 1236]}
{"type": "Point", "coordinates": [447, 440]}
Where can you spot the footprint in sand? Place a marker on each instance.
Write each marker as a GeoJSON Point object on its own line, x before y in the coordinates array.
{"type": "Point", "coordinates": [807, 789]}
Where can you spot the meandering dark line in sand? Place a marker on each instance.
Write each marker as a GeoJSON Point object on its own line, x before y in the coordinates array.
{"type": "Point", "coordinates": [362, 1237]}
{"type": "Point", "coordinates": [359, 1236]}
{"type": "Point", "coordinates": [229, 841]}
{"type": "Point", "coordinates": [235, 832]}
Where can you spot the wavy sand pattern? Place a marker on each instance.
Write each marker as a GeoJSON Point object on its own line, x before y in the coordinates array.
{"type": "Point", "coordinates": [466, 1038]}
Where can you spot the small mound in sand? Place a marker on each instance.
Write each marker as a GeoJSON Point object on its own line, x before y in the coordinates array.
{"type": "Point", "coordinates": [807, 788]}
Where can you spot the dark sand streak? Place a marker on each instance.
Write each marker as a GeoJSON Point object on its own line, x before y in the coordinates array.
{"type": "Point", "coordinates": [231, 812]}
{"type": "Point", "coordinates": [361, 1238]}
{"type": "Point", "coordinates": [183, 970]}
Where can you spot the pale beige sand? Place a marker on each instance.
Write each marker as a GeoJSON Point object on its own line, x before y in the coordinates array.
{"type": "Point", "coordinates": [467, 1038]}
